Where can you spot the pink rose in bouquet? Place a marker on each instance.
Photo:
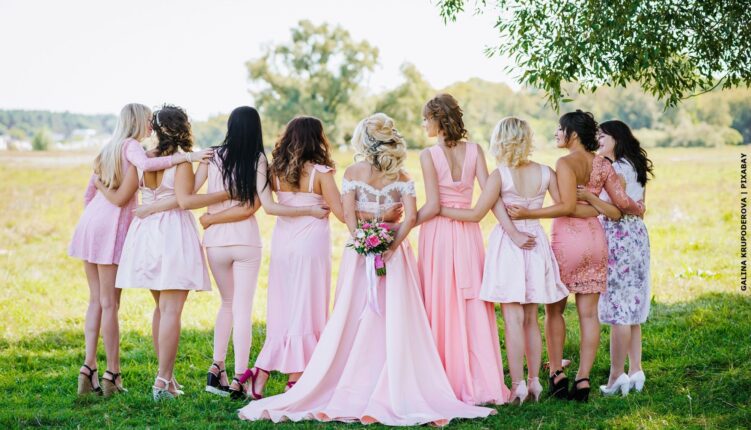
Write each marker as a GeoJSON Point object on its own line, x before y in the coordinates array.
{"type": "Point", "coordinates": [371, 238]}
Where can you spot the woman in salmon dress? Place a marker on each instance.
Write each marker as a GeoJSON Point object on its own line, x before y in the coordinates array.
{"type": "Point", "coordinates": [451, 258]}
{"type": "Point", "coordinates": [579, 244]}
{"type": "Point", "coordinates": [376, 360]}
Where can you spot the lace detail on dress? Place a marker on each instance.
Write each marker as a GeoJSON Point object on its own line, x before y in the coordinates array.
{"type": "Point", "coordinates": [376, 201]}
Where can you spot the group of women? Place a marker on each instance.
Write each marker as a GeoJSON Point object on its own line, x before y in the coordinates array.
{"type": "Point", "coordinates": [429, 350]}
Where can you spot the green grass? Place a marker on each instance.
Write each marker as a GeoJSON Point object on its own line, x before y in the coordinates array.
{"type": "Point", "coordinates": [697, 343]}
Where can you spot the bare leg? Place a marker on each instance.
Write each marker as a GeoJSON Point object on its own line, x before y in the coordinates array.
{"type": "Point", "coordinates": [109, 298]}
{"type": "Point", "coordinates": [155, 322]}
{"type": "Point", "coordinates": [620, 338]}
{"type": "Point", "coordinates": [171, 304]}
{"type": "Point", "coordinates": [93, 319]}
{"type": "Point", "coordinates": [589, 327]}
{"type": "Point", "coordinates": [634, 350]}
{"type": "Point", "coordinates": [292, 377]}
{"type": "Point", "coordinates": [555, 335]}
{"type": "Point", "coordinates": [532, 341]}
{"type": "Point", "coordinates": [513, 323]}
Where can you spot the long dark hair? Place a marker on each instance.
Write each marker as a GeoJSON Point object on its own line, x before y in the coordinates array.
{"type": "Point", "coordinates": [240, 152]}
{"type": "Point", "coordinates": [627, 147]}
{"type": "Point", "coordinates": [172, 128]}
{"type": "Point", "coordinates": [585, 126]}
{"type": "Point", "coordinates": [303, 141]}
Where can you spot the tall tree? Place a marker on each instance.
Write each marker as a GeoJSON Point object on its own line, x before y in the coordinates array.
{"type": "Point", "coordinates": [314, 74]}
{"type": "Point", "coordinates": [672, 48]}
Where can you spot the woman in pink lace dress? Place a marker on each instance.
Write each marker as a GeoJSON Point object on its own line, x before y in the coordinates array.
{"type": "Point", "coordinates": [579, 244]}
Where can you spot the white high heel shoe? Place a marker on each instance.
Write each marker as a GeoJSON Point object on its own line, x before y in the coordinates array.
{"type": "Point", "coordinates": [161, 393]}
{"type": "Point", "coordinates": [534, 389]}
{"type": "Point", "coordinates": [623, 383]}
{"type": "Point", "coordinates": [637, 380]}
{"type": "Point", "coordinates": [520, 394]}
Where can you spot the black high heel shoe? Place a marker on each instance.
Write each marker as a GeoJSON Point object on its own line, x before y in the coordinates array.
{"type": "Point", "coordinates": [214, 382]}
{"type": "Point", "coordinates": [558, 389]}
{"type": "Point", "coordinates": [579, 394]}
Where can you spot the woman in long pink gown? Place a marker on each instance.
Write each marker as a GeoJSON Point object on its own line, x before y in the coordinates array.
{"type": "Point", "coordinates": [579, 244]}
{"type": "Point", "coordinates": [451, 258]}
{"type": "Point", "coordinates": [373, 367]}
{"type": "Point", "coordinates": [300, 269]}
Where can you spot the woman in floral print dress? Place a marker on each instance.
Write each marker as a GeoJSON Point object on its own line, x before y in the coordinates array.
{"type": "Point", "coordinates": [625, 303]}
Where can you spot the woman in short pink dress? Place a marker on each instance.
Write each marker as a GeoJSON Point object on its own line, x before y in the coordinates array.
{"type": "Point", "coordinates": [579, 245]}
{"type": "Point", "coordinates": [520, 268]}
{"type": "Point", "coordinates": [162, 251]}
{"type": "Point", "coordinates": [451, 257]}
{"type": "Point", "coordinates": [99, 236]}
{"type": "Point", "coordinates": [376, 361]}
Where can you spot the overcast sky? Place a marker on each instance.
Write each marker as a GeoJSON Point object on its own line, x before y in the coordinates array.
{"type": "Point", "coordinates": [95, 56]}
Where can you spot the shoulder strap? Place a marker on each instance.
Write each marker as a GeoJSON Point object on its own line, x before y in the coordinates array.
{"type": "Point", "coordinates": [507, 181]}
{"type": "Point", "coordinates": [438, 157]}
{"type": "Point", "coordinates": [312, 179]}
{"type": "Point", "coordinates": [471, 153]}
{"type": "Point", "coordinates": [278, 184]}
{"type": "Point", "coordinates": [544, 177]}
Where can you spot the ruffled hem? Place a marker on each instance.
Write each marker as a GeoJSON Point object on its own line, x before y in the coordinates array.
{"type": "Point", "coordinates": [287, 354]}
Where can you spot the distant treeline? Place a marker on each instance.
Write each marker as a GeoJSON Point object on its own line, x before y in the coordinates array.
{"type": "Point", "coordinates": [23, 124]}
{"type": "Point", "coordinates": [713, 119]}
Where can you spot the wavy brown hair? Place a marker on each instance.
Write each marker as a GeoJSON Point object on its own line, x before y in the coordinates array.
{"type": "Point", "coordinates": [303, 141]}
{"type": "Point", "coordinates": [446, 110]}
{"type": "Point", "coordinates": [172, 128]}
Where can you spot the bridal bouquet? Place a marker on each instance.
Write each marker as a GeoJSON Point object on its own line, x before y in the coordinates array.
{"type": "Point", "coordinates": [372, 239]}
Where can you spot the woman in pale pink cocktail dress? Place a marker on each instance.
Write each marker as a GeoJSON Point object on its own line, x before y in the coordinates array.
{"type": "Point", "coordinates": [376, 360]}
{"type": "Point", "coordinates": [451, 257]}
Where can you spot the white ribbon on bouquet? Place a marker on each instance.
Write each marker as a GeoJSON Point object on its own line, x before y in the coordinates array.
{"type": "Point", "coordinates": [372, 293]}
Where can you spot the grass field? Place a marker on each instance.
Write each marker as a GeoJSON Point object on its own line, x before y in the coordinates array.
{"type": "Point", "coordinates": [697, 343]}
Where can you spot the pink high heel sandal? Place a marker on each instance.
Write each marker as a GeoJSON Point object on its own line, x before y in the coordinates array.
{"type": "Point", "coordinates": [253, 375]}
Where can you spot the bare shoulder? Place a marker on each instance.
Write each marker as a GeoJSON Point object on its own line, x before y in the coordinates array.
{"type": "Point", "coordinates": [404, 176]}
{"type": "Point", "coordinates": [566, 162]}
{"type": "Point", "coordinates": [357, 171]}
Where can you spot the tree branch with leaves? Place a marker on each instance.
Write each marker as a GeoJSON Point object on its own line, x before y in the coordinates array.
{"type": "Point", "coordinates": [674, 49]}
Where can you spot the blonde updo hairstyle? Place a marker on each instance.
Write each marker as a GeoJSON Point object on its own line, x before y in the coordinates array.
{"type": "Point", "coordinates": [445, 110]}
{"type": "Point", "coordinates": [378, 142]}
{"type": "Point", "coordinates": [511, 141]}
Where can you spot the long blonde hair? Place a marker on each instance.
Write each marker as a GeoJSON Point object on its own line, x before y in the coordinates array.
{"type": "Point", "coordinates": [511, 141]}
{"type": "Point", "coordinates": [378, 142]}
{"type": "Point", "coordinates": [132, 124]}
